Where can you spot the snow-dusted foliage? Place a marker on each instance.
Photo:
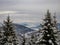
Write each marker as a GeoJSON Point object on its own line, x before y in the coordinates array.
{"type": "Point", "coordinates": [47, 35]}
{"type": "Point", "coordinates": [9, 33]}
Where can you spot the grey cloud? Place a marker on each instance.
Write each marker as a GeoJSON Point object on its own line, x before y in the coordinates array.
{"type": "Point", "coordinates": [28, 4]}
{"type": "Point", "coordinates": [32, 10]}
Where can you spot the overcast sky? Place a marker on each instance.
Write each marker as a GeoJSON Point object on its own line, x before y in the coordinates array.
{"type": "Point", "coordinates": [28, 10]}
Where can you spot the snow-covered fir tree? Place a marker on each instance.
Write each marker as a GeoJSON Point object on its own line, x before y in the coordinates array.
{"type": "Point", "coordinates": [49, 37]}
{"type": "Point", "coordinates": [1, 36]}
{"type": "Point", "coordinates": [9, 32]}
{"type": "Point", "coordinates": [24, 40]}
{"type": "Point", "coordinates": [32, 40]}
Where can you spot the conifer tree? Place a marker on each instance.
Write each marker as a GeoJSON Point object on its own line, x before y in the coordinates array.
{"type": "Point", "coordinates": [9, 33]}
{"type": "Point", "coordinates": [1, 36]}
{"type": "Point", "coordinates": [23, 43]}
{"type": "Point", "coordinates": [24, 40]}
{"type": "Point", "coordinates": [48, 37]}
{"type": "Point", "coordinates": [32, 40]}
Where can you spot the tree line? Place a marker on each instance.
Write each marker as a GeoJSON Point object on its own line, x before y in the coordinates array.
{"type": "Point", "coordinates": [49, 31]}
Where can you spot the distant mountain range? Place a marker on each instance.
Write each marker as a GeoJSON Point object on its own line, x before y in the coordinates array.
{"type": "Point", "coordinates": [22, 29]}
{"type": "Point", "coordinates": [34, 26]}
